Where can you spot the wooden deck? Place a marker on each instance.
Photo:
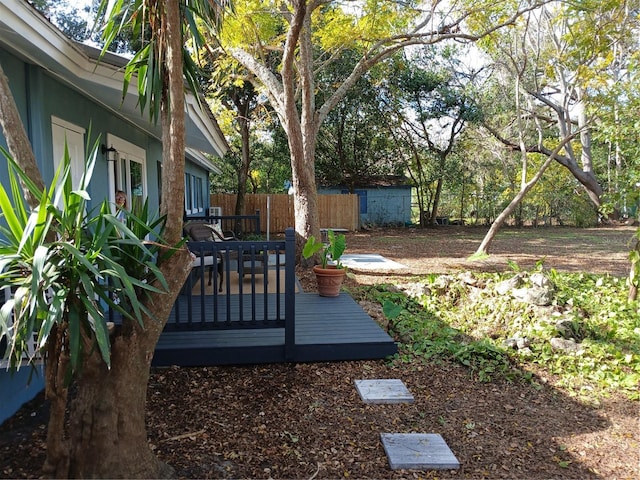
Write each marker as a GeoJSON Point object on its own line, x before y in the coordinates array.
{"type": "Point", "coordinates": [325, 329]}
{"type": "Point", "coordinates": [257, 316]}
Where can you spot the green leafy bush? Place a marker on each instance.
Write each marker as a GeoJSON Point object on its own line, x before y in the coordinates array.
{"type": "Point", "coordinates": [451, 318]}
{"type": "Point", "coordinates": [66, 265]}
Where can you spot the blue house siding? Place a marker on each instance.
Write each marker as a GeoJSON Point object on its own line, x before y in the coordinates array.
{"type": "Point", "coordinates": [381, 205]}
{"type": "Point", "coordinates": [45, 97]}
{"type": "Point", "coordinates": [18, 388]}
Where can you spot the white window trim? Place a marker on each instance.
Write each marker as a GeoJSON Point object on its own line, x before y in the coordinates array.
{"type": "Point", "coordinates": [127, 152]}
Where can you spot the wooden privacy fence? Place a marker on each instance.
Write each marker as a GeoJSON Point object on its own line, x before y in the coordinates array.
{"type": "Point", "coordinates": [336, 210]}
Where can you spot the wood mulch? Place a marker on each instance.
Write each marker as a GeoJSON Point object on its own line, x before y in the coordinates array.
{"type": "Point", "coordinates": [307, 420]}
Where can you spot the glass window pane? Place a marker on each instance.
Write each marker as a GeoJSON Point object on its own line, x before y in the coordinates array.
{"type": "Point", "coordinates": [137, 184]}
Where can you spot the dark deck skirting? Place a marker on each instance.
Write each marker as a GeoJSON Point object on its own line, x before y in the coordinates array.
{"type": "Point", "coordinates": [326, 329]}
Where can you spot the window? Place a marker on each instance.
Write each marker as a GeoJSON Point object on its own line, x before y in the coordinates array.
{"type": "Point", "coordinates": [129, 172]}
{"type": "Point", "coordinates": [199, 195]}
{"type": "Point", "coordinates": [188, 197]}
{"type": "Point", "coordinates": [136, 179]}
{"type": "Point", "coordinates": [193, 194]}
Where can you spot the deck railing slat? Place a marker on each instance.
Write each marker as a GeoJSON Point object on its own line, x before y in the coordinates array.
{"type": "Point", "coordinates": [249, 259]}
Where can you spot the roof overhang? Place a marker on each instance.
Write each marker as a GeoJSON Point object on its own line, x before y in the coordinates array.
{"type": "Point", "coordinates": [29, 35]}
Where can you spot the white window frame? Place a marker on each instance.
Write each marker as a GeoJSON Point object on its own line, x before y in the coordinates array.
{"type": "Point", "coordinates": [193, 196]}
{"type": "Point", "coordinates": [120, 172]}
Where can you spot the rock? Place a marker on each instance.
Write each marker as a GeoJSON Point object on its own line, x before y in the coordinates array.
{"type": "Point", "coordinates": [516, 343]}
{"type": "Point", "coordinates": [468, 278]}
{"type": "Point", "coordinates": [564, 345]}
{"type": "Point", "coordinates": [540, 280]}
{"type": "Point", "coordinates": [566, 329]}
{"type": "Point", "coordinates": [534, 295]}
{"type": "Point", "coordinates": [443, 281]}
{"type": "Point", "coordinates": [416, 290]}
{"type": "Point", "coordinates": [506, 286]}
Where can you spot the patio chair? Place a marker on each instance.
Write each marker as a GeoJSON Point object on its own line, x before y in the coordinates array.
{"type": "Point", "coordinates": [201, 232]}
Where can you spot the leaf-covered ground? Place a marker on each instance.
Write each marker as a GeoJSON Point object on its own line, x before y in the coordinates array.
{"type": "Point", "coordinates": [307, 420]}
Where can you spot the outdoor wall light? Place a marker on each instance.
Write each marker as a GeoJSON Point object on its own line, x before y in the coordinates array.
{"type": "Point", "coordinates": [112, 153]}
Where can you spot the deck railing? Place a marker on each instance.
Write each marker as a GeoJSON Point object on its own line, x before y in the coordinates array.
{"type": "Point", "coordinates": [257, 290]}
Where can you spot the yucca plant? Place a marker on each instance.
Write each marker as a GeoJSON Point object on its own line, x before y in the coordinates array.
{"type": "Point", "coordinates": [65, 265]}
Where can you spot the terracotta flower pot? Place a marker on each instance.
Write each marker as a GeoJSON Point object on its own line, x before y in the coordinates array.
{"type": "Point", "coordinates": [329, 280]}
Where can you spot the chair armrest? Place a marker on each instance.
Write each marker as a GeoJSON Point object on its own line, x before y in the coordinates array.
{"type": "Point", "coordinates": [225, 237]}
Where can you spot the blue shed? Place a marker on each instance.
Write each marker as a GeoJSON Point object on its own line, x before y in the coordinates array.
{"type": "Point", "coordinates": [384, 200]}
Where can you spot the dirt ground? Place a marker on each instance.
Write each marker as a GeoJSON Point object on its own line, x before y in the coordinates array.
{"type": "Point", "coordinates": [307, 420]}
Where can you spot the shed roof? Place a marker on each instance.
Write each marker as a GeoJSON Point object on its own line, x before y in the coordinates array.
{"type": "Point", "coordinates": [374, 181]}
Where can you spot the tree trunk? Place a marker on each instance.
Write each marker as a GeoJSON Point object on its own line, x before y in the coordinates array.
{"type": "Point", "coordinates": [462, 221]}
{"type": "Point", "coordinates": [634, 269]}
{"type": "Point", "coordinates": [591, 184]}
{"type": "Point", "coordinates": [305, 201]}
{"type": "Point", "coordinates": [172, 117]}
{"type": "Point", "coordinates": [243, 173]}
{"type": "Point", "coordinates": [588, 181]}
{"type": "Point", "coordinates": [301, 127]}
{"type": "Point", "coordinates": [436, 197]}
{"type": "Point", "coordinates": [17, 139]}
{"type": "Point", "coordinates": [108, 432]}
{"type": "Point", "coordinates": [56, 363]}
{"type": "Point", "coordinates": [483, 249]}
{"type": "Point", "coordinates": [107, 416]}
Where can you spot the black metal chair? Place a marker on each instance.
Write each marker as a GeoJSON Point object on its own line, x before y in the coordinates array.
{"type": "Point", "coordinates": [200, 232]}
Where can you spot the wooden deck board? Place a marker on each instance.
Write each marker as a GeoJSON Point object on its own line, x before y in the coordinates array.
{"type": "Point", "coordinates": [327, 329]}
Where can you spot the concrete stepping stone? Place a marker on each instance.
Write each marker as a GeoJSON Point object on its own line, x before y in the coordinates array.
{"type": "Point", "coordinates": [418, 451]}
{"type": "Point", "coordinates": [383, 391]}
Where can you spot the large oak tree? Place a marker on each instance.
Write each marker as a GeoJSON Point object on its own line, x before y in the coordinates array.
{"type": "Point", "coordinates": [307, 35]}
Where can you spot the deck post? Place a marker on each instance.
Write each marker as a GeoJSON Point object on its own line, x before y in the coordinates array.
{"type": "Point", "coordinates": [290, 295]}
{"type": "Point", "coordinates": [257, 223]}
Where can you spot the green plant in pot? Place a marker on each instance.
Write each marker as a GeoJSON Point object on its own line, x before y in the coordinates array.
{"type": "Point", "coordinates": [330, 272]}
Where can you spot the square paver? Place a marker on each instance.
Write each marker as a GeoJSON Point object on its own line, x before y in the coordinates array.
{"type": "Point", "coordinates": [418, 451]}
{"type": "Point", "coordinates": [383, 391]}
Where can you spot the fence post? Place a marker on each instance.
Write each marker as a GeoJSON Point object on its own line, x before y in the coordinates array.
{"type": "Point", "coordinates": [289, 294]}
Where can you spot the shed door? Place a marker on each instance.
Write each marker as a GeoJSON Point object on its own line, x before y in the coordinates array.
{"type": "Point", "coordinates": [362, 196]}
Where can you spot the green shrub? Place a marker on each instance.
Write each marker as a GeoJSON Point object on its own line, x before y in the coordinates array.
{"type": "Point", "coordinates": [449, 319]}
